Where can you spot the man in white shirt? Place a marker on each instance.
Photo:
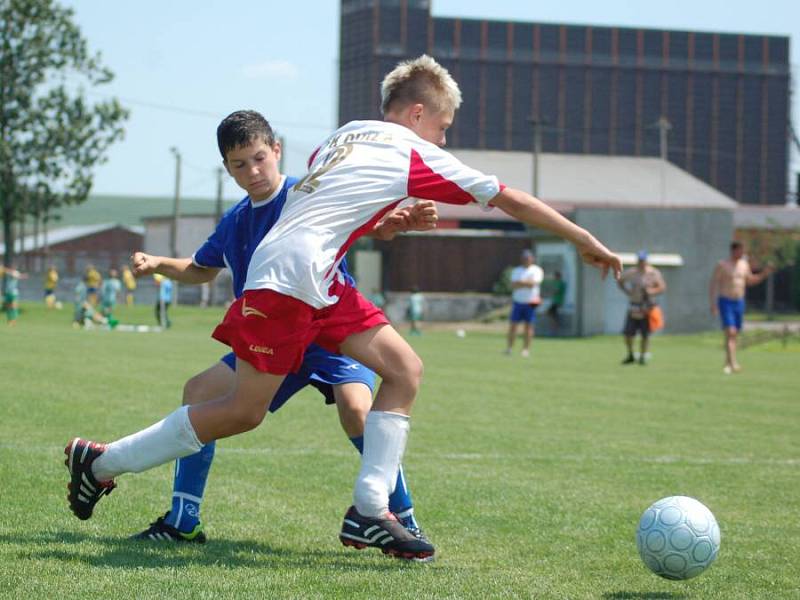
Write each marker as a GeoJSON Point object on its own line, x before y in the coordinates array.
{"type": "Point", "coordinates": [526, 280]}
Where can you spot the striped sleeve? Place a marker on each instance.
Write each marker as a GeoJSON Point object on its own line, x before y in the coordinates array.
{"type": "Point", "coordinates": [435, 174]}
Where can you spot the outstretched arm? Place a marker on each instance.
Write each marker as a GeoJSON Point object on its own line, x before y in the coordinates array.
{"type": "Point", "coordinates": [755, 279]}
{"type": "Point", "coordinates": [534, 212]}
{"type": "Point", "coordinates": [179, 269]}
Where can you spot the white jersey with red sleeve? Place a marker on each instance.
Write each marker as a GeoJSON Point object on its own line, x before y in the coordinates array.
{"type": "Point", "coordinates": [361, 172]}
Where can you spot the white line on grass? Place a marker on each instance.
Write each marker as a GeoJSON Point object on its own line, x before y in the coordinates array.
{"type": "Point", "coordinates": [492, 457]}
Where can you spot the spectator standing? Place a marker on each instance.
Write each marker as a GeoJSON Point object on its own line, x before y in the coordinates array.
{"type": "Point", "coordinates": [416, 308]}
{"type": "Point", "coordinates": [164, 300]}
{"type": "Point", "coordinates": [526, 281]}
{"type": "Point", "coordinates": [641, 284]}
{"type": "Point", "coordinates": [557, 300]}
{"type": "Point", "coordinates": [726, 291]}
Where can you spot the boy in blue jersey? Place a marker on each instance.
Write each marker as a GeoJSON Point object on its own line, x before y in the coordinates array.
{"type": "Point", "coordinates": [251, 155]}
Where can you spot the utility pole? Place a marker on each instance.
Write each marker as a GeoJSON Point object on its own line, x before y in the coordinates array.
{"type": "Point", "coordinates": [536, 149]}
{"type": "Point", "coordinates": [282, 142]}
{"type": "Point", "coordinates": [218, 206]}
{"type": "Point", "coordinates": [211, 286]}
{"type": "Point", "coordinates": [176, 207]}
{"type": "Point", "coordinates": [664, 127]}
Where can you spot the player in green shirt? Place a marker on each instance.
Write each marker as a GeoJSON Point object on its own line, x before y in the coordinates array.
{"type": "Point", "coordinates": [11, 293]}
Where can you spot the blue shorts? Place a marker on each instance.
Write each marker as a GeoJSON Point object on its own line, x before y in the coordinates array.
{"type": "Point", "coordinates": [731, 312]}
{"type": "Point", "coordinates": [523, 313]}
{"type": "Point", "coordinates": [321, 369]}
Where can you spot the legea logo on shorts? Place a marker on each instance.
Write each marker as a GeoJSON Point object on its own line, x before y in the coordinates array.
{"type": "Point", "coordinates": [248, 311]}
{"type": "Point", "coordinates": [261, 349]}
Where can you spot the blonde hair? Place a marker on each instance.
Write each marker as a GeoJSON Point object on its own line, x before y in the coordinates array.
{"type": "Point", "coordinates": [421, 80]}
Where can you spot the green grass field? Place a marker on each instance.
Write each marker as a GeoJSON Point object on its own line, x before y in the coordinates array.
{"type": "Point", "coordinates": [529, 476]}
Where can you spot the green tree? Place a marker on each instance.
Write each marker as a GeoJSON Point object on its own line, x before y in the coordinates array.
{"type": "Point", "coordinates": [774, 246]}
{"type": "Point", "coordinates": [51, 136]}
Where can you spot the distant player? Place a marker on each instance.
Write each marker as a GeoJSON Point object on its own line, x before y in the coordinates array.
{"type": "Point", "coordinates": [416, 308]}
{"type": "Point", "coordinates": [251, 154]}
{"type": "Point", "coordinates": [164, 289]}
{"type": "Point", "coordinates": [559, 291]}
{"type": "Point", "coordinates": [726, 291]}
{"type": "Point", "coordinates": [129, 281]}
{"type": "Point", "coordinates": [11, 293]}
{"type": "Point", "coordinates": [50, 285]}
{"type": "Point", "coordinates": [526, 281]}
{"type": "Point", "coordinates": [295, 295]}
{"type": "Point", "coordinates": [109, 292]}
{"type": "Point", "coordinates": [641, 284]}
{"type": "Point", "coordinates": [93, 280]}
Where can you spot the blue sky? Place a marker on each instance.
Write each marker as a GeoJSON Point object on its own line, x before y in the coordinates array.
{"type": "Point", "coordinates": [182, 66]}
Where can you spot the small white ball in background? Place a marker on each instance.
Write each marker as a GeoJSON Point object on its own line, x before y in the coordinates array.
{"type": "Point", "coordinates": [461, 333]}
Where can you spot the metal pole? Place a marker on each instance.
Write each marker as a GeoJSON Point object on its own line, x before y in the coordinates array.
{"type": "Point", "coordinates": [218, 206]}
{"type": "Point", "coordinates": [536, 149]}
{"type": "Point", "coordinates": [176, 206]}
{"type": "Point", "coordinates": [212, 285]}
{"type": "Point", "coordinates": [281, 163]}
{"type": "Point", "coordinates": [664, 127]}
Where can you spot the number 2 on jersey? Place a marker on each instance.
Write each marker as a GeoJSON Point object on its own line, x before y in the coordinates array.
{"type": "Point", "coordinates": [310, 182]}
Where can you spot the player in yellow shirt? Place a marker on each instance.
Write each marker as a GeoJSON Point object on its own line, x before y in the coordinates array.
{"type": "Point", "coordinates": [50, 284]}
{"type": "Point", "coordinates": [93, 279]}
{"type": "Point", "coordinates": [129, 281]}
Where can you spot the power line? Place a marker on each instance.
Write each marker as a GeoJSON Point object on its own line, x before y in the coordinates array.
{"type": "Point", "coordinates": [203, 113]}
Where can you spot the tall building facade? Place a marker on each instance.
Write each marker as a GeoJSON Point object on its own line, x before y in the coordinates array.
{"type": "Point", "coordinates": [586, 89]}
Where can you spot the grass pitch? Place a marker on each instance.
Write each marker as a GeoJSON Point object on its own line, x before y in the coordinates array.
{"type": "Point", "coordinates": [528, 475]}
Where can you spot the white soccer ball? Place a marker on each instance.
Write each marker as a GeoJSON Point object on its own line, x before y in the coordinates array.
{"type": "Point", "coordinates": [678, 537]}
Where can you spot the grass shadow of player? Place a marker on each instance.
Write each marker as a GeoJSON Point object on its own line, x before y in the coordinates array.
{"type": "Point", "coordinates": [114, 552]}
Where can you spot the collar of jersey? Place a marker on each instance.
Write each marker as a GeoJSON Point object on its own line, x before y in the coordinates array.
{"type": "Point", "coordinates": [272, 197]}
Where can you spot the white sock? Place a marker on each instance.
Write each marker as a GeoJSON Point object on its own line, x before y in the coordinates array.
{"type": "Point", "coordinates": [171, 438]}
{"type": "Point", "coordinates": [385, 435]}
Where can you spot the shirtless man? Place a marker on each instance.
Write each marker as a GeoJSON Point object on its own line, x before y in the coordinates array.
{"type": "Point", "coordinates": [726, 293]}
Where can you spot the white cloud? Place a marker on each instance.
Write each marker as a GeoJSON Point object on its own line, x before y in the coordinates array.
{"type": "Point", "coordinates": [277, 68]}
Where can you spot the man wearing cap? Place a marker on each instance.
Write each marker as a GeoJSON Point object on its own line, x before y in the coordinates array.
{"type": "Point", "coordinates": [526, 280]}
{"type": "Point", "coordinates": [641, 284]}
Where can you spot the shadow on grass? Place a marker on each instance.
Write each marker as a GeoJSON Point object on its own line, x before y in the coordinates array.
{"type": "Point", "coordinates": [643, 596]}
{"type": "Point", "coordinates": [98, 551]}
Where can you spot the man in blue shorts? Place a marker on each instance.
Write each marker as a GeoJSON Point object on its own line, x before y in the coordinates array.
{"type": "Point", "coordinates": [726, 291]}
{"type": "Point", "coordinates": [251, 155]}
{"type": "Point", "coordinates": [526, 281]}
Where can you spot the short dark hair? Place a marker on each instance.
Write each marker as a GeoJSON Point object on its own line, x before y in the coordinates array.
{"type": "Point", "coordinates": [241, 128]}
{"type": "Point", "coordinates": [736, 245]}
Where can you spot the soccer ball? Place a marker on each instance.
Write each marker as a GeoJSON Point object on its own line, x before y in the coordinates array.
{"type": "Point", "coordinates": [678, 537]}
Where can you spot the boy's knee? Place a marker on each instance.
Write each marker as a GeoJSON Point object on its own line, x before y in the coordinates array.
{"type": "Point", "coordinates": [413, 370]}
{"type": "Point", "coordinates": [247, 418]}
{"type": "Point", "coordinates": [191, 391]}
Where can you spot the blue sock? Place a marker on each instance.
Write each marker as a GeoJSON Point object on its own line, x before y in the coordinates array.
{"type": "Point", "coordinates": [400, 502]}
{"type": "Point", "coordinates": [191, 474]}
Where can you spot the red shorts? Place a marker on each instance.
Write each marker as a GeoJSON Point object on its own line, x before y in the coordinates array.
{"type": "Point", "coordinates": [271, 331]}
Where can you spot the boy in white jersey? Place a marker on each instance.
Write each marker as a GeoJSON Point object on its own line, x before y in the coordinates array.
{"type": "Point", "coordinates": [294, 295]}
